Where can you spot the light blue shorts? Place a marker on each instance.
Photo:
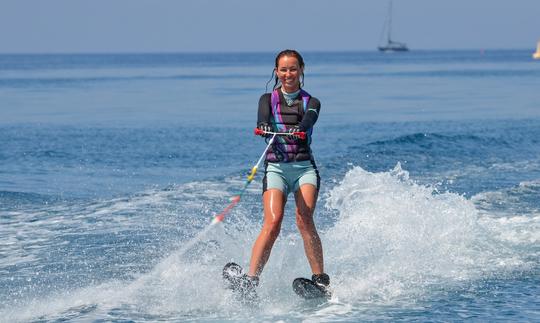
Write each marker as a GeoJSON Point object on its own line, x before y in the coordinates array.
{"type": "Point", "coordinates": [288, 177]}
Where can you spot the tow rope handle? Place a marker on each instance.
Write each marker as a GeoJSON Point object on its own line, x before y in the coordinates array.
{"type": "Point", "coordinates": [299, 134]}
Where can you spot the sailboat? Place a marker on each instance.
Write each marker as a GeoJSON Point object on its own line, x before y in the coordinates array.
{"type": "Point", "coordinates": [536, 55]}
{"type": "Point", "coordinates": [391, 45]}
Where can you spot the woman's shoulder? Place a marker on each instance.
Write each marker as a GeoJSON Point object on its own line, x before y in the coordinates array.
{"type": "Point", "coordinates": [312, 98]}
{"type": "Point", "coordinates": [265, 98]}
{"type": "Point", "coordinates": [314, 102]}
{"type": "Point", "coordinates": [266, 95]}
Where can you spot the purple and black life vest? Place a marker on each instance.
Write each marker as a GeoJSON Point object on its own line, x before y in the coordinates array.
{"type": "Point", "coordinates": [285, 117]}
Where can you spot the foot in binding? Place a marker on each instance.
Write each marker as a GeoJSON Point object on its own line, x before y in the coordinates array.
{"type": "Point", "coordinates": [322, 282]}
{"type": "Point", "coordinates": [315, 288]}
{"type": "Point", "coordinates": [241, 284]}
{"type": "Point", "coordinates": [247, 286]}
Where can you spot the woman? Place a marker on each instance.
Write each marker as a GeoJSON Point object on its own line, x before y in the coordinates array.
{"type": "Point", "coordinates": [289, 167]}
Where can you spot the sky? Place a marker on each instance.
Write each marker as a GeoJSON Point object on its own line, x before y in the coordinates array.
{"type": "Point", "coordinates": [149, 26]}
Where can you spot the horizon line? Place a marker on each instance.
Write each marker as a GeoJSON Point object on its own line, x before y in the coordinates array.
{"type": "Point", "coordinates": [252, 51]}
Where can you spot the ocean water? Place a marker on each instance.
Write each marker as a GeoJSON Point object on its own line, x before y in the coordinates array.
{"type": "Point", "coordinates": [112, 167]}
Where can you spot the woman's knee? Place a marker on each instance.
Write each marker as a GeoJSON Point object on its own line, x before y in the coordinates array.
{"type": "Point", "coordinates": [304, 221]}
{"type": "Point", "coordinates": [272, 227]}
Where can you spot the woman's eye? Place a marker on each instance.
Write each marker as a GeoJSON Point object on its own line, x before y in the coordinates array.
{"type": "Point", "coordinates": [292, 70]}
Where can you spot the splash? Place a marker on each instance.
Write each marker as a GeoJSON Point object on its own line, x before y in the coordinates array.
{"type": "Point", "coordinates": [396, 239]}
{"type": "Point", "coordinates": [392, 241]}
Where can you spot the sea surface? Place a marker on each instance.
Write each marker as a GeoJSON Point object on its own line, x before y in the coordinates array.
{"type": "Point", "coordinates": [112, 167]}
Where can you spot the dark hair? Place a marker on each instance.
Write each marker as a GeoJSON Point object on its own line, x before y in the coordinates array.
{"type": "Point", "coordinates": [286, 52]}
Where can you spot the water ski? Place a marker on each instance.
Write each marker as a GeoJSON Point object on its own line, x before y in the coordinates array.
{"type": "Point", "coordinates": [308, 289]}
{"type": "Point", "coordinates": [242, 285]}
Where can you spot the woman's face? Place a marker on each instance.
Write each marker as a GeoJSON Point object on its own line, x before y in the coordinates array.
{"type": "Point", "coordinates": [288, 72]}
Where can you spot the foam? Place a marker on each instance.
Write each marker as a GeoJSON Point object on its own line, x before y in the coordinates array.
{"type": "Point", "coordinates": [392, 240]}
{"type": "Point", "coordinates": [519, 200]}
{"type": "Point", "coordinates": [395, 238]}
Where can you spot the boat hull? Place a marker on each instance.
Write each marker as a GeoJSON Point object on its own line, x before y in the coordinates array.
{"type": "Point", "coordinates": [393, 49]}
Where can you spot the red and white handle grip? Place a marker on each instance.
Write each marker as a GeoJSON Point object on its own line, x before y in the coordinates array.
{"type": "Point", "coordinates": [299, 134]}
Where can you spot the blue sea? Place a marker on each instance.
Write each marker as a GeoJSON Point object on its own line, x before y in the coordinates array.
{"type": "Point", "coordinates": [112, 167]}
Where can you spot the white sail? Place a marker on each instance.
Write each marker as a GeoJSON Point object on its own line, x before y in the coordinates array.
{"type": "Point", "coordinates": [536, 55]}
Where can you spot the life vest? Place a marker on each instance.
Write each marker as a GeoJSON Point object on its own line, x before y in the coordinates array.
{"type": "Point", "coordinates": [285, 149]}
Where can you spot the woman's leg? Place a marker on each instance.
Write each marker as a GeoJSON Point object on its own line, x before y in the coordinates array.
{"type": "Point", "coordinates": [274, 204]}
{"type": "Point", "coordinates": [306, 199]}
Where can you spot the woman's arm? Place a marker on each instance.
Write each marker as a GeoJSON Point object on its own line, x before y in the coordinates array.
{"type": "Point", "coordinates": [264, 114]}
{"type": "Point", "coordinates": [311, 115]}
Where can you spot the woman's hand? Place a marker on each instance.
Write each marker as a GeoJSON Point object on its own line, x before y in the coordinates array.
{"type": "Point", "coordinates": [293, 130]}
{"type": "Point", "coordinates": [266, 128]}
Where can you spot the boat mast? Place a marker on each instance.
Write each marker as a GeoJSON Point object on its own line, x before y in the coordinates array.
{"type": "Point", "coordinates": [390, 45]}
{"type": "Point", "coordinates": [390, 22]}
